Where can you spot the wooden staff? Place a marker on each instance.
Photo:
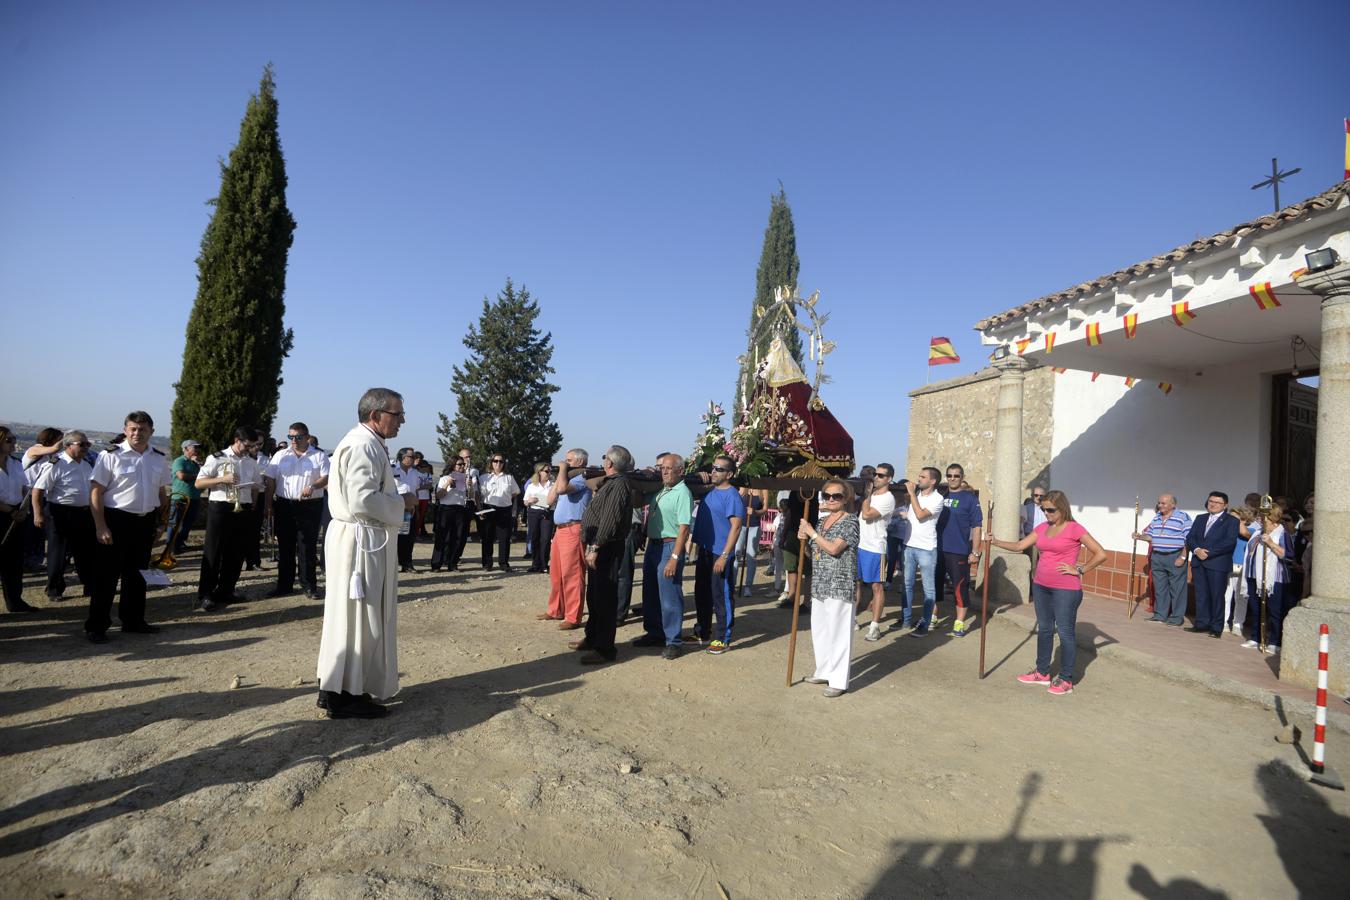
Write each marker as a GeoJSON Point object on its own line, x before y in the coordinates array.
{"type": "Point", "coordinates": [797, 590]}
{"type": "Point", "coordinates": [984, 582]}
{"type": "Point", "coordinates": [1134, 560]}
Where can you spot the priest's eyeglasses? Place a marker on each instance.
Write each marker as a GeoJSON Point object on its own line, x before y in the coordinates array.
{"type": "Point", "coordinates": [399, 414]}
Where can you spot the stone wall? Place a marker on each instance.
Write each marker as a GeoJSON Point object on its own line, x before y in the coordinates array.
{"type": "Point", "coordinates": [953, 421]}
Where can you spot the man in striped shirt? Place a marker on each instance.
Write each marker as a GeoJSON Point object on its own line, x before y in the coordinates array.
{"type": "Point", "coordinates": [1167, 558]}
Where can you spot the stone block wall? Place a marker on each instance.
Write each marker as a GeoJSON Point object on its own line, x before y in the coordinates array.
{"type": "Point", "coordinates": [953, 421]}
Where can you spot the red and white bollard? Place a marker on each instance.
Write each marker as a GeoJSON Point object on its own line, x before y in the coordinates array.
{"type": "Point", "coordinates": [1320, 730]}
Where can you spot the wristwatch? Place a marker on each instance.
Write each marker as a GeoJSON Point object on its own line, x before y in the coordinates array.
{"type": "Point", "coordinates": [1080, 571]}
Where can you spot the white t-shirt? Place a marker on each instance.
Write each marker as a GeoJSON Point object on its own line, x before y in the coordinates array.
{"type": "Point", "coordinates": [872, 535]}
{"type": "Point", "coordinates": [923, 535]}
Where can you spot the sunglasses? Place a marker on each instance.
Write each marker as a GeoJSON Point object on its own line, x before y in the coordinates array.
{"type": "Point", "coordinates": [831, 495]}
{"type": "Point", "coordinates": [1037, 496]}
{"type": "Point", "coordinates": [1049, 509]}
{"type": "Point", "coordinates": [721, 469]}
{"type": "Point", "coordinates": [881, 475]}
{"type": "Point", "coordinates": [499, 460]}
{"type": "Point", "coordinates": [951, 477]}
{"type": "Point", "coordinates": [297, 437]}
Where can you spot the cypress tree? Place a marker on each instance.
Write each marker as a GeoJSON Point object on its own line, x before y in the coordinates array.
{"type": "Point", "coordinates": [778, 267]}
{"type": "Point", "coordinates": [236, 338]}
{"type": "Point", "coordinates": [504, 401]}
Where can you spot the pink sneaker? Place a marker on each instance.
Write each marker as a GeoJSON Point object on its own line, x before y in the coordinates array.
{"type": "Point", "coordinates": [1060, 686]}
{"type": "Point", "coordinates": [1034, 677]}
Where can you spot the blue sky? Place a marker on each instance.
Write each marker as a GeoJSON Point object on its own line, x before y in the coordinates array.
{"type": "Point", "coordinates": [617, 159]}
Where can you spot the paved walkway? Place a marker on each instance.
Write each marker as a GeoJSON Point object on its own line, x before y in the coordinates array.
{"type": "Point", "coordinates": [1221, 664]}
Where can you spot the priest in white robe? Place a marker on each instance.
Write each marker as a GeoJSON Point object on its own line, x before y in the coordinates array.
{"type": "Point", "coordinates": [358, 654]}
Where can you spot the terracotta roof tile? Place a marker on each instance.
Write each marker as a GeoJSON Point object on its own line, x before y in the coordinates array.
{"type": "Point", "coordinates": [1324, 200]}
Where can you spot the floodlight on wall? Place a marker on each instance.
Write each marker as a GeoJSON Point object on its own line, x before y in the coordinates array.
{"type": "Point", "coordinates": [1321, 260]}
{"type": "Point", "coordinates": [1000, 352]}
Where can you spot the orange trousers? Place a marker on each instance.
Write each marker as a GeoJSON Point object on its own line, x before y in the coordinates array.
{"type": "Point", "coordinates": [566, 572]}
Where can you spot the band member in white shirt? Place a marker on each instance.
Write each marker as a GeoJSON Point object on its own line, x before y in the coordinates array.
{"type": "Point", "coordinates": [452, 516]}
{"type": "Point", "coordinates": [234, 480]}
{"type": "Point", "coordinates": [14, 509]}
{"type": "Point", "coordinates": [129, 484]}
{"type": "Point", "coordinates": [61, 506]}
{"type": "Point", "coordinates": [497, 490]}
{"type": "Point", "coordinates": [296, 477]}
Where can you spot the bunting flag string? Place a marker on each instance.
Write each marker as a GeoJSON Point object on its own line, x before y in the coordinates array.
{"type": "Point", "coordinates": [1094, 334]}
{"type": "Point", "coordinates": [1058, 371]}
{"type": "Point", "coordinates": [1181, 313]}
{"type": "Point", "coordinates": [1096, 375]}
{"type": "Point", "coordinates": [1165, 387]}
{"type": "Point", "coordinates": [1022, 346]}
{"type": "Point", "coordinates": [1129, 382]}
{"type": "Point", "coordinates": [1131, 325]}
{"type": "Point", "coordinates": [1297, 274]}
{"type": "Point", "coordinates": [1049, 341]}
{"type": "Point", "coordinates": [1263, 295]}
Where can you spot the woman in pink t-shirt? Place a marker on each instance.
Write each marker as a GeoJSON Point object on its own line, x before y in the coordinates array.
{"type": "Point", "coordinates": [1056, 587]}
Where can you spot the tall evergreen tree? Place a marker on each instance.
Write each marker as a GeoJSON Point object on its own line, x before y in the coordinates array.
{"type": "Point", "coordinates": [236, 339]}
{"type": "Point", "coordinates": [778, 267]}
{"type": "Point", "coordinates": [504, 401]}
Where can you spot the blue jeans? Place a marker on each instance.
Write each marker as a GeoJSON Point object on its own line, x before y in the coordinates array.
{"type": "Point", "coordinates": [895, 557]}
{"type": "Point", "coordinates": [662, 597]}
{"type": "Point", "coordinates": [926, 562]}
{"type": "Point", "coordinates": [1056, 611]}
{"type": "Point", "coordinates": [189, 513]}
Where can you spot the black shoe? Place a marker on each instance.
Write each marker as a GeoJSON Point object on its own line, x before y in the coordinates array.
{"type": "Point", "coordinates": [97, 637]}
{"type": "Point", "coordinates": [142, 628]}
{"type": "Point", "coordinates": [355, 708]}
{"type": "Point", "coordinates": [207, 606]}
{"type": "Point", "coordinates": [278, 592]}
{"type": "Point", "coordinates": [1195, 630]}
{"type": "Point", "coordinates": [251, 567]}
{"type": "Point", "coordinates": [648, 641]}
{"type": "Point", "coordinates": [672, 651]}
{"type": "Point", "coordinates": [322, 700]}
{"type": "Point", "coordinates": [55, 598]}
{"type": "Point", "coordinates": [1216, 634]}
{"type": "Point", "coordinates": [487, 567]}
{"type": "Point", "coordinates": [506, 568]}
{"type": "Point", "coordinates": [20, 606]}
{"type": "Point", "coordinates": [312, 594]}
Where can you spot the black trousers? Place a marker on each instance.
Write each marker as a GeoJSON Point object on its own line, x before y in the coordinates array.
{"type": "Point", "coordinates": [630, 548]}
{"type": "Point", "coordinates": [122, 561]}
{"type": "Point", "coordinates": [496, 527]}
{"type": "Point", "coordinates": [70, 530]}
{"type": "Point", "coordinates": [11, 561]}
{"type": "Point", "coordinates": [297, 529]}
{"type": "Point", "coordinates": [452, 528]}
{"type": "Point", "coordinates": [227, 536]}
{"type": "Point", "coordinates": [405, 547]}
{"type": "Point", "coordinates": [957, 569]}
{"type": "Point", "coordinates": [602, 598]}
{"type": "Point", "coordinates": [539, 523]}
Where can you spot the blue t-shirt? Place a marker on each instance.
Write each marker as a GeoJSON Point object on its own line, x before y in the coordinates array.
{"type": "Point", "coordinates": [570, 507]}
{"type": "Point", "coordinates": [960, 513]}
{"type": "Point", "coordinates": [713, 522]}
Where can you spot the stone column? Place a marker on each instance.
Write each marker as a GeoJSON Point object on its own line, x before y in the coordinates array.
{"type": "Point", "coordinates": [1009, 573]}
{"type": "Point", "coordinates": [1330, 600]}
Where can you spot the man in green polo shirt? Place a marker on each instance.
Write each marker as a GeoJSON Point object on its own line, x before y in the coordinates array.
{"type": "Point", "coordinates": [669, 514]}
{"type": "Point", "coordinates": [184, 497]}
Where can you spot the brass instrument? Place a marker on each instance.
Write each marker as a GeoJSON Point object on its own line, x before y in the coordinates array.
{"type": "Point", "coordinates": [166, 561]}
{"type": "Point", "coordinates": [230, 470]}
{"type": "Point", "coordinates": [1264, 513]}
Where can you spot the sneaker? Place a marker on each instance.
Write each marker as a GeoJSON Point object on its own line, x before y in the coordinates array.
{"type": "Point", "coordinates": [1060, 686]}
{"type": "Point", "coordinates": [785, 600]}
{"type": "Point", "coordinates": [959, 628]}
{"type": "Point", "coordinates": [920, 631]}
{"type": "Point", "coordinates": [1249, 645]}
{"type": "Point", "coordinates": [1034, 677]}
{"type": "Point", "coordinates": [717, 648]}
{"type": "Point", "coordinates": [873, 632]}
{"type": "Point", "coordinates": [1272, 649]}
{"type": "Point", "coordinates": [832, 692]}
{"type": "Point", "coordinates": [814, 680]}
{"type": "Point", "coordinates": [938, 620]}
{"type": "Point", "coordinates": [672, 651]}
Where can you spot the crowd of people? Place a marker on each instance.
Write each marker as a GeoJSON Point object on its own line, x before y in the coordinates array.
{"type": "Point", "coordinates": [836, 553]}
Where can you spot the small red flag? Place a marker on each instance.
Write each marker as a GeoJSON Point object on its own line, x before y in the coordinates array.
{"type": "Point", "coordinates": [1263, 295]}
{"type": "Point", "coordinates": [1181, 313]}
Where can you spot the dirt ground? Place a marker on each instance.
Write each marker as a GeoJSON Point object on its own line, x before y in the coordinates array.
{"type": "Point", "coordinates": [506, 769]}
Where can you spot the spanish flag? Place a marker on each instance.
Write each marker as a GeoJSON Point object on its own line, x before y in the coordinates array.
{"type": "Point", "coordinates": [1165, 387]}
{"type": "Point", "coordinates": [1181, 313]}
{"type": "Point", "coordinates": [1129, 382]}
{"type": "Point", "coordinates": [1049, 341]}
{"type": "Point", "coordinates": [1131, 325]}
{"type": "Point", "coordinates": [941, 352]}
{"type": "Point", "coordinates": [1094, 334]}
{"type": "Point", "coordinates": [1022, 346]}
{"type": "Point", "coordinates": [1265, 297]}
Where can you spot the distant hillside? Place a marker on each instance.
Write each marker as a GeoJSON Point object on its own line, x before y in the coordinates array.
{"type": "Point", "coordinates": [26, 432]}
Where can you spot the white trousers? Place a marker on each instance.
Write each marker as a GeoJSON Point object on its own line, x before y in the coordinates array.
{"type": "Point", "coordinates": [832, 639]}
{"type": "Point", "coordinates": [1235, 601]}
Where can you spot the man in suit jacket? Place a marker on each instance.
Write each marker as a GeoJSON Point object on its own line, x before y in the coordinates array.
{"type": "Point", "coordinates": [1211, 541]}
